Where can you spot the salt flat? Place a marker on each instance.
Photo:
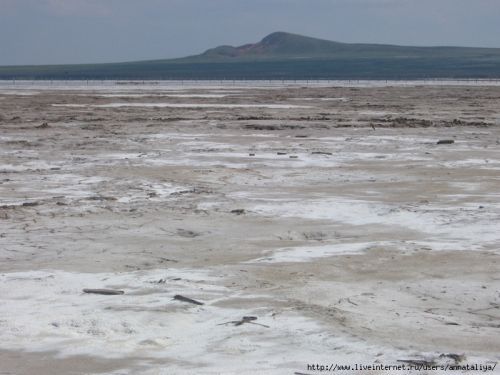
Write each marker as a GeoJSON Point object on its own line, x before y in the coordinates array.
{"type": "Point", "coordinates": [327, 212]}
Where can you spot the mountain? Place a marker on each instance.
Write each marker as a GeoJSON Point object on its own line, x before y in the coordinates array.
{"type": "Point", "coordinates": [278, 44]}
{"type": "Point", "coordinates": [283, 55]}
{"type": "Point", "coordinates": [292, 46]}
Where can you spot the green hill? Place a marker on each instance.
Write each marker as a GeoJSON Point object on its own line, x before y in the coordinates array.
{"type": "Point", "coordinates": [289, 56]}
{"type": "Point", "coordinates": [292, 46]}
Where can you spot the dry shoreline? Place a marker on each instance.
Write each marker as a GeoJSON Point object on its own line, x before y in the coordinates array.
{"type": "Point", "coordinates": [330, 214]}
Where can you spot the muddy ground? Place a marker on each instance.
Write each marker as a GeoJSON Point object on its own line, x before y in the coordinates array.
{"type": "Point", "coordinates": [329, 215]}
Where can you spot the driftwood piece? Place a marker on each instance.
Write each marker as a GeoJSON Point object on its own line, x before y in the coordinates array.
{"type": "Point", "coordinates": [321, 153]}
{"type": "Point", "coordinates": [106, 292]}
{"type": "Point", "coordinates": [445, 142]}
{"type": "Point", "coordinates": [30, 204]}
{"type": "Point", "coordinates": [245, 319]}
{"type": "Point", "coordinates": [178, 297]}
{"type": "Point", "coordinates": [238, 211]}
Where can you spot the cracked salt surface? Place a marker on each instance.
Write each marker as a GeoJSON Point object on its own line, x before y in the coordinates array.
{"type": "Point", "coordinates": [468, 228]}
{"type": "Point", "coordinates": [157, 95]}
{"type": "Point", "coordinates": [47, 311]}
{"type": "Point", "coordinates": [241, 159]}
{"type": "Point", "coordinates": [76, 187]}
{"type": "Point", "coordinates": [372, 273]}
{"type": "Point", "coordinates": [341, 99]}
{"type": "Point", "coordinates": [19, 92]}
{"type": "Point", "coordinates": [139, 190]}
{"type": "Point", "coordinates": [61, 184]}
{"type": "Point", "coordinates": [181, 105]}
{"type": "Point", "coordinates": [309, 253]}
{"type": "Point", "coordinates": [27, 166]}
{"type": "Point", "coordinates": [492, 164]}
{"type": "Point", "coordinates": [301, 254]}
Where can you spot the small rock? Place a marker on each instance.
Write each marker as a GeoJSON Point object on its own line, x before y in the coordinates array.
{"type": "Point", "coordinates": [238, 211]}
{"type": "Point", "coordinates": [187, 233]}
{"type": "Point", "coordinates": [314, 236]}
{"type": "Point", "coordinates": [178, 297]}
{"type": "Point", "coordinates": [101, 198]}
{"type": "Point", "coordinates": [45, 125]}
{"type": "Point", "coordinates": [30, 204]}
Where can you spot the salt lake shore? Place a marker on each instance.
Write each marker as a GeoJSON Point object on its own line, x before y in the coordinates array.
{"type": "Point", "coordinates": [248, 229]}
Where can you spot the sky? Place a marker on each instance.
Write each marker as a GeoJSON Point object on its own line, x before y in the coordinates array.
{"type": "Point", "coordinates": [86, 31]}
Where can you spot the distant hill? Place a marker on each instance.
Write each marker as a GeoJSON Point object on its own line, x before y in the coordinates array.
{"type": "Point", "coordinates": [292, 46]}
{"type": "Point", "coordinates": [283, 55]}
{"type": "Point", "coordinates": [278, 45]}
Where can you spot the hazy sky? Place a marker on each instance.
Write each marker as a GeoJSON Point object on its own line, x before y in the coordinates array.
{"type": "Point", "coordinates": [73, 31]}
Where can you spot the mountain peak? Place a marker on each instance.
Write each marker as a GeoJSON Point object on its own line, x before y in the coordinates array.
{"type": "Point", "coordinates": [276, 37]}
{"type": "Point", "coordinates": [277, 44]}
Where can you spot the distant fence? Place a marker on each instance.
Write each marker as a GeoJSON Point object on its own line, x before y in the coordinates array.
{"type": "Point", "coordinates": [84, 84]}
